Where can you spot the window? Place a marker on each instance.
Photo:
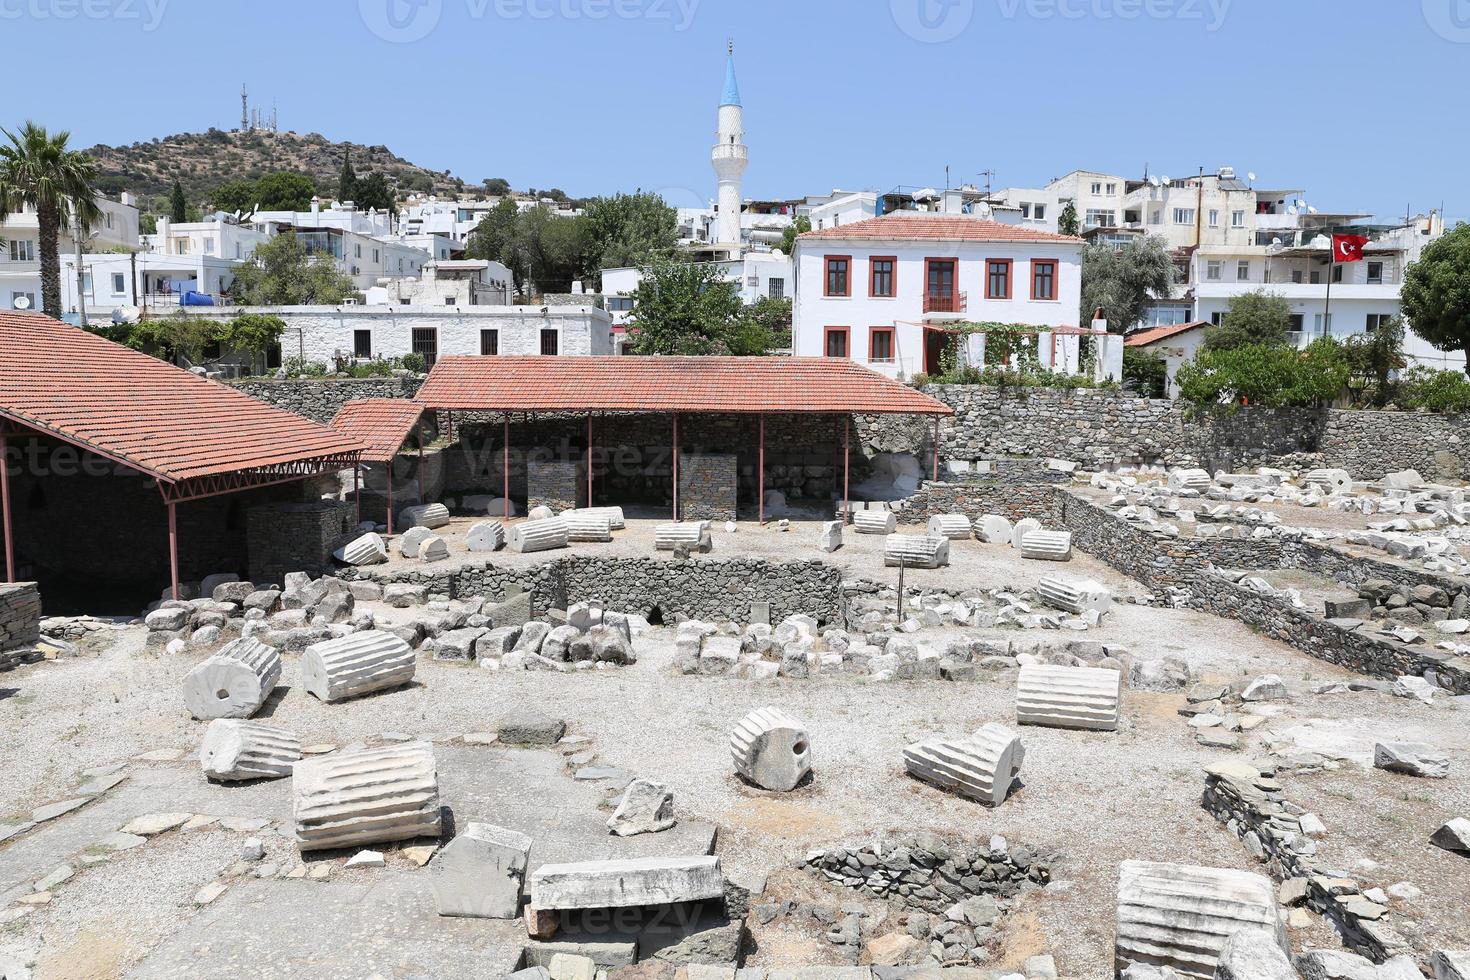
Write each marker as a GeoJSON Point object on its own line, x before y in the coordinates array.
{"type": "Point", "coordinates": [1337, 273]}
{"type": "Point", "coordinates": [426, 343]}
{"type": "Point", "coordinates": [1214, 218]}
{"type": "Point", "coordinates": [834, 342]}
{"type": "Point", "coordinates": [208, 245]}
{"type": "Point", "coordinates": [1237, 219]}
{"type": "Point", "coordinates": [1375, 273]}
{"type": "Point", "coordinates": [1184, 216]}
{"type": "Point", "coordinates": [30, 300]}
{"type": "Point", "coordinates": [1242, 271]}
{"type": "Point", "coordinates": [109, 221]}
{"type": "Point", "coordinates": [1039, 212]}
{"type": "Point", "coordinates": [1317, 324]}
{"type": "Point", "coordinates": [1296, 276]}
{"type": "Point", "coordinates": [1156, 216]}
{"type": "Point", "coordinates": [362, 344]}
{"type": "Point", "coordinates": [449, 301]}
{"type": "Point", "coordinates": [357, 251]}
{"type": "Point", "coordinates": [489, 343]}
{"type": "Point", "coordinates": [1316, 277]}
{"type": "Point", "coordinates": [1097, 187]}
{"type": "Point", "coordinates": [624, 304]}
{"type": "Point", "coordinates": [550, 342]}
{"type": "Point", "coordinates": [1376, 320]}
{"type": "Point", "coordinates": [880, 275]}
{"type": "Point", "coordinates": [1025, 210]}
{"type": "Point", "coordinates": [939, 288]}
{"type": "Point", "coordinates": [237, 250]}
{"type": "Point", "coordinates": [1217, 317]}
{"type": "Point", "coordinates": [1212, 270]}
{"type": "Point", "coordinates": [1101, 218]}
{"type": "Point", "coordinates": [1295, 322]}
{"type": "Point", "coordinates": [119, 284]}
{"type": "Point", "coordinates": [375, 256]}
{"type": "Point", "coordinates": [1043, 279]}
{"type": "Point", "coordinates": [1112, 188]}
{"type": "Point", "coordinates": [837, 268]}
{"type": "Point", "coordinates": [181, 246]}
{"type": "Point", "coordinates": [775, 288]}
{"type": "Point", "coordinates": [997, 278]}
{"type": "Point", "coordinates": [880, 344]}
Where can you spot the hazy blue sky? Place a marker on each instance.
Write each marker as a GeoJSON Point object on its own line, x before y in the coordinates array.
{"type": "Point", "coordinates": [1363, 102]}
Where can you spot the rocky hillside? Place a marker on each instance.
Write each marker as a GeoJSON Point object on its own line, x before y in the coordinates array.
{"type": "Point", "coordinates": [203, 161]}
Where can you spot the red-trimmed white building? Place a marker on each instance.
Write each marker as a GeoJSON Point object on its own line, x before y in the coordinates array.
{"type": "Point", "coordinates": [883, 292]}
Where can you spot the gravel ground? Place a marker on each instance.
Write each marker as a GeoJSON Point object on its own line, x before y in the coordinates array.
{"type": "Point", "coordinates": [1096, 798]}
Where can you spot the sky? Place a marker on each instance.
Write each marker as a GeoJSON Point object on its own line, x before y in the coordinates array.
{"type": "Point", "coordinates": [1363, 103]}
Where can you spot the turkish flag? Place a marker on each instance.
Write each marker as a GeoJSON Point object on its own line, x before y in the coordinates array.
{"type": "Point", "coordinates": [1348, 248]}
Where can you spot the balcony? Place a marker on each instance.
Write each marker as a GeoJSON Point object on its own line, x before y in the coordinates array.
{"type": "Point", "coordinates": [945, 302]}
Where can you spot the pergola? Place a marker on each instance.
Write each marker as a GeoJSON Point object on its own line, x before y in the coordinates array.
{"type": "Point", "coordinates": [383, 425]}
{"type": "Point", "coordinates": [675, 386]}
{"type": "Point", "coordinates": [195, 437]}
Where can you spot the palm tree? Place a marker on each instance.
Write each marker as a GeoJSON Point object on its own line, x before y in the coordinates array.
{"type": "Point", "coordinates": [37, 170]}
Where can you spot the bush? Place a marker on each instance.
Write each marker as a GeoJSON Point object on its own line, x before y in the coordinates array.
{"type": "Point", "coordinates": [1265, 374]}
{"type": "Point", "coordinates": [1145, 372]}
{"type": "Point", "coordinates": [297, 367]}
{"type": "Point", "coordinates": [414, 363]}
{"type": "Point", "coordinates": [1435, 391]}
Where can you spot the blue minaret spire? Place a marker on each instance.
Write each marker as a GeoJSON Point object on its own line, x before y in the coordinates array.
{"type": "Point", "coordinates": [732, 90]}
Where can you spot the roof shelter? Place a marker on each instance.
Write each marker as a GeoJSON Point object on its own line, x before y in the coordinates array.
{"type": "Point", "coordinates": [195, 437]}
{"type": "Point", "coordinates": [753, 386]}
{"type": "Point", "coordinates": [383, 425]}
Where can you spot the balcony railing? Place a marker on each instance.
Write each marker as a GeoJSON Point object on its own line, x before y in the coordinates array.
{"type": "Point", "coordinates": [945, 302]}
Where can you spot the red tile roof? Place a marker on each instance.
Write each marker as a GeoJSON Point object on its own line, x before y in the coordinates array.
{"type": "Point", "coordinates": [1143, 338]}
{"type": "Point", "coordinates": [135, 409]}
{"type": "Point", "coordinates": [911, 226]}
{"type": "Point", "coordinates": [382, 424]}
{"type": "Point", "coordinates": [669, 384]}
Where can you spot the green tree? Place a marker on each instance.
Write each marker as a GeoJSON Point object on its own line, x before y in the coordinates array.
{"type": "Point", "coordinates": [1435, 296]}
{"type": "Point", "coordinates": [1252, 318]}
{"type": "Point", "coordinates": [284, 190]}
{"type": "Point", "coordinates": [1373, 358]}
{"type": "Point", "coordinates": [1124, 281]}
{"type": "Point", "coordinates": [253, 333]}
{"type": "Point", "coordinates": [178, 205]}
{"type": "Point", "coordinates": [1067, 221]}
{"type": "Point", "coordinates": [1271, 375]}
{"type": "Point", "coordinates": [800, 226]}
{"type": "Point", "coordinates": [38, 170]}
{"type": "Point", "coordinates": [690, 308]}
{"type": "Point", "coordinates": [497, 187]}
{"type": "Point", "coordinates": [552, 249]}
{"type": "Point", "coordinates": [1145, 372]}
{"type": "Point", "coordinates": [772, 318]}
{"type": "Point", "coordinates": [494, 236]}
{"type": "Point", "coordinates": [628, 230]}
{"type": "Point", "coordinates": [347, 180]}
{"type": "Point", "coordinates": [374, 191]}
{"type": "Point", "coordinates": [235, 196]}
{"type": "Point", "coordinates": [282, 274]}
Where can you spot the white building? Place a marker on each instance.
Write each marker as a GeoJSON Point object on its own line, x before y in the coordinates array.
{"type": "Point", "coordinates": [128, 284]}
{"type": "Point", "coordinates": [1175, 344]}
{"type": "Point", "coordinates": [885, 292]}
{"type": "Point", "coordinates": [452, 282]}
{"type": "Point", "coordinates": [20, 255]}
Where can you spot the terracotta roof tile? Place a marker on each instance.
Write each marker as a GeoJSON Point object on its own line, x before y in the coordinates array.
{"type": "Point", "coordinates": [669, 384]}
{"type": "Point", "coordinates": [911, 226]}
{"type": "Point", "coordinates": [382, 424]}
{"type": "Point", "coordinates": [134, 408]}
{"type": "Point", "coordinates": [1143, 338]}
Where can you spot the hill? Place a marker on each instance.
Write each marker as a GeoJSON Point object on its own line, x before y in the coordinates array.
{"type": "Point", "coordinates": [204, 161]}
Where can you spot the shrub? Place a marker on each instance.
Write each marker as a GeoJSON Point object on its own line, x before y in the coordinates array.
{"type": "Point", "coordinates": [1145, 372]}
{"type": "Point", "coordinates": [1265, 374]}
{"type": "Point", "coordinates": [414, 362]}
{"type": "Point", "coordinates": [1436, 391]}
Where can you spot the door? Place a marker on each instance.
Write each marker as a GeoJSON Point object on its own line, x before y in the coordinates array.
{"type": "Point", "coordinates": [934, 344]}
{"type": "Point", "coordinates": [939, 289]}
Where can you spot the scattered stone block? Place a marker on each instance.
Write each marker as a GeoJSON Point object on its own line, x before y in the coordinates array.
{"type": "Point", "coordinates": [366, 550]}
{"type": "Point", "coordinates": [234, 750]}
{"type": "Point", "coordinates": [481, 873]}
{"type": "Point", "coordinates": [874, 521]}
{"type": "Point", "coordinates": [1267, 687]}
{"type": "Point", "coordinates": [1411, 758]}
{"type": "Point", "coordinates": [830, 538]}
{"type": "Point", "coordinates": [153, 824]}
{"type": "Point", "coordinates": [982, 767]}
{"type": "Point", "coordinates": [233, 683]}
{"type": "Point", "coordinates": [691, 535]}
{"type": "Point", "coordinates": [647, 807]}
{"type": "Point", "coordinates": [771, 749]}
{"type": "Point", "coordinates": [370, 796]}
{"type": "Point", "coordinates": [485, 536]}
{"type": "Point", "coordinates": [529, 727]}
{"type": "Point", "coordinates": [1021, 528]}
{"type": "Point", "coordinates": [1451, 965]}
{"type": "Point", "coordinates": [1453, 836]}
{"type": "Point", "coordinates": [587, 527]}
{"type": "Point", "coordinates": [1076, 596]}
{"type": "Point", "coordinates": [626, 883]}
{"type": "Point", "coordinates": [956, 527]}
{"type": "Point", "coordinates": [1254, 954]}
{"type": "Point", "coordinates": [356, 664]}
{"type": "Point", "coordinates": [433, 548]}
{"type": "Point", "coordinates": [1069, 697]}
{"type": "Point", "coordinates": [915, 551]}
{"type": "Point", "coordinates": [430, 516]}
{"type": "Point", "coordinates": [614, 515]}
{"type": "Point", "coordinates": [1039, 545]}
{"type": "Point", "coordinates": [531, 536]}
{"type": "Point", "coordinates": [1181, 916]}
{"type": "Point", "coordinates": [410, 541]}
{"type": "Point", "coordinates": [994, 529]}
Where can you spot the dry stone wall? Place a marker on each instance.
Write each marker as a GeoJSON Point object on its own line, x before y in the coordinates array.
{"type": "Point", "coordinates": [319, 399]}
{"type": "Point", "coordinates": [20, 624]}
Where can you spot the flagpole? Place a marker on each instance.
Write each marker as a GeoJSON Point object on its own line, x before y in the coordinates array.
{"type": "Point", "coordinates": [1331, 266]}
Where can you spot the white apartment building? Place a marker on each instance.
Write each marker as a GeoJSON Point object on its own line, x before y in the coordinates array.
{"type": "Point", "coordinates": [144, 282]}
{"type": "Point", "coordinates": [451, 282]}
{"type": "Point", "coordinates": [886, 291]}
{"type": "Point", "coordinates": [20, 255]}
{"type": "Point", "coordinates": [1363, 294]}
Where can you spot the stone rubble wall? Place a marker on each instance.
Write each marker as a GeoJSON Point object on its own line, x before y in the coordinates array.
{"type": "Point", "coordinates": [1012, 488]}
{"type": "Point", "coordinates": [319, 399]}
{"type": "Point", "coordinates": [296, 537]}
{"type": "Point", "coordinates": [708, 486]}
{"type": "Point", "coordinates": [20, 624]}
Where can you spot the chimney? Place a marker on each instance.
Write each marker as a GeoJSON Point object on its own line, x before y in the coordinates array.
{"type": "Point", "coordinates": [1099, 322]}
{"type": "Point", "coordinates": [128, 199]}
{"type": "Point", "coordinates": [316, 209]}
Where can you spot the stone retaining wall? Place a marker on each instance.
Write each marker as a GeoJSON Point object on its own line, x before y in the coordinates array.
{"type": "Point", "coordinates": [20, 624]}
{"type": "Point", "coordinates": [319, 399]}
{"type": "Point", "coordinates": [1013, 489]}
{"type": "Point", "coordinates": [296, 537]}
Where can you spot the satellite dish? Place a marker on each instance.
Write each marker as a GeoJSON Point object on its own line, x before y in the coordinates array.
{"type": "Point", "coordinates": [1155, 180]}
{"type": "Point", "coordinates": [1250, 175]}
{"type": "Point", "coordinates": [1165, 178]}
{"type": "Point", "coordinates": [22, 302]}
{"type": "Point", "coordinates": [1276, 242]}
{"type": "Point", "coordinates": [1293, 210]}
{"type": "Point", "coordinates": [1311, 210]}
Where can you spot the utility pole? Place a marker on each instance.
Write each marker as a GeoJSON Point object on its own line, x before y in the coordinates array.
{"type": "Point", "coordinates": [81, 276]}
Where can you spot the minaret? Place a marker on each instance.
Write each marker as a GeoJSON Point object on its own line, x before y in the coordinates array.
{"type": "Point", "coordinates": [730, 156]}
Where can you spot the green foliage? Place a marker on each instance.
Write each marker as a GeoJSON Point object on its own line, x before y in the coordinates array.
{"type": "Point", "coordinates": [1252, 319]}
{"type": "Point", "coordinates": [1436, 292]}
{"type": "Point", "coordinates": [690, 308]}
{"type": "Point", "coordinates": [536, 245]}
{"type": "Point", "coordinates": [1067, 221]}
{"type": "Point", "coordinates": [252, 333]}
{"type": "Point", "coordinates": [772, 317]}
{"type": "Point", "coordinates": [628, 230]}
{"type": "Point", "coordinates": [147, 224]}
{"type": "Point", "coordinates": [414, 362]}
{"type": "Point", "coordinates": [296, 367]}
{"type": "Point", "coordinates": [1124, 281]}
{"type": "Point", "coordinates": [374, 191]}
{"type": "Point", "coordinates": [1372, 359]}
{"type": "Point", "coordinates": [1435, 391]}
{"type": "Point", "coordinates": [800, 226]}
{"type": "Point", "coordinates": [182, 335]}
{"type": "Point", "coordinates": [1010, 361]}
{"type": "Point", "coordinates": [234, 196]}
{"type": "Point", "coordinates": [347, 180]}
{"type": "Point", "coordinates": [284, 191]}
{"type": "Point", "coordinates": [282, 274]}
{"type": "Point", "coordinates": [497, 187]}
{"type": "Point", "coordinates": [1145, 372]}
{"type": "Point", "coordinates": [494, 235]}
{"type": "Point", "coordinates": [1271, 375]}
{"type": "Point", "coordinates": [178, 205]}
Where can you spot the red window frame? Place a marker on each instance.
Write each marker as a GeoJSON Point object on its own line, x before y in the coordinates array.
{"type": "Point", "coordinates": [1036, 265]}
{"type": "Point", "coordinates": [892, 276]}
{"type": "Point", "coordinates": [828, 332]}
{"type": "Point", "coordinates": [1010, 265]}
{"type": "Point", "coordinates": [873, 333]}
{"type": "Point", "coordinates": [827, 261]}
